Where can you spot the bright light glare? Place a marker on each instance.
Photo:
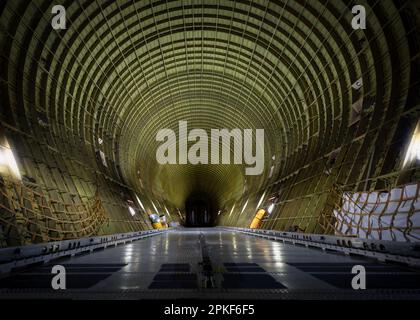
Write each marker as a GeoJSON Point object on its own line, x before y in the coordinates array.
{"type": "Point", "coordinates": [261, 200]}
{"type": "Point", "coordinates": [413, 152]}
{"type": "Point", "coordinates": [103, 158]}
{"type": "Point", "coordinates": [243, 208]}
{"type": "Point", "coordinates": [270, 208]}
{"type": "Point", "coordinates": [155, 207]}
{"type": "Point", "coordinates": [8, 162]}
{"type": "Point", "coordinates": [141, 204]}
{"type": "Point", "coordinates": [132, 211]}
{"type": "Point", "coordinates": [232, 210]}
{"type": "Point", "coordinates": [167, 211]}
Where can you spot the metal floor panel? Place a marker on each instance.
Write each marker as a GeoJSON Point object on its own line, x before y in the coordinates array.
{"type": "Point", "coordinates": [170, 266]}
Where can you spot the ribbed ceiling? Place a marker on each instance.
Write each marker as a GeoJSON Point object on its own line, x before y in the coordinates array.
{"type": "Point", "coordinates": [122, 70]}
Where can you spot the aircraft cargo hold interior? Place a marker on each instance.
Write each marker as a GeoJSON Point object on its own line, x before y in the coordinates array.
{"type": "Point", "coordinates": [210, 149]}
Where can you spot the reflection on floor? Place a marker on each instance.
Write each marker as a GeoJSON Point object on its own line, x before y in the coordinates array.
{"type": "Point", "coordinates": [203, 263]}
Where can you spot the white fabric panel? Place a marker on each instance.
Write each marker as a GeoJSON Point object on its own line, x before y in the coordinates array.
{"type": "Point", "coordinates": [381, 215]}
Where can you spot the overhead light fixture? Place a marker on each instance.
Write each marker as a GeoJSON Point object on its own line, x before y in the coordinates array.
{"type": "Point", "coordinates": [132, 211]}
{"type": "Point", "coordinates": [271, 172]}
{"type": "Point", "coordinates": [261, 200]}
{"type": "Point", "coordinates": [103, 158]}
{"type": "Point", "coordinates": [141, 204]}
{"type": "Point", "coordinates": [243, 208]}
{"type": "Point", "coordinates": [270, 208]}
{"type": "Point", "coordinates": [8, 163]}
{"type": "Point", "coordinates": [166, 209]}
{"type": "Point", "coordinates": [413, 151]}
{"type": "Point", "coordinates": [232, 210]}
{"type": "Point", "coordinates": [154, 207]}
